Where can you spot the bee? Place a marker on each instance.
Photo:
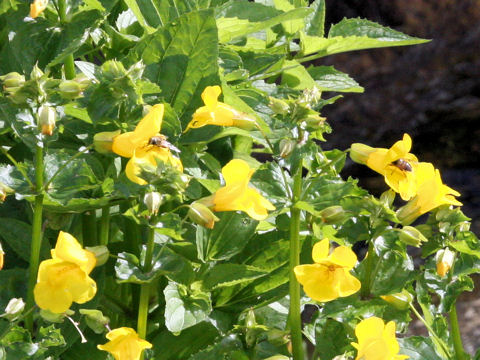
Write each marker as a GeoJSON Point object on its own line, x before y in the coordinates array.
{"type": "Point", "coordinates": [161, 141]}
{"type": "Point", "coordinates": [402, 164]}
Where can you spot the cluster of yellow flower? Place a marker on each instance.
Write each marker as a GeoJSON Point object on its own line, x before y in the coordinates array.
{"type": "Point", "coordinates": [65, 279]}
{"type": "Point", "coordinates": [419, 183]}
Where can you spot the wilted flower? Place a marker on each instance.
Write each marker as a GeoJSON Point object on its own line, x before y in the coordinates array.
{"type": "Point", "coordinates": [64, 278]}
{"type": "Point", "coordinates": [237, 195]}
{"type": "Point", "coordinates": [37, 7]}
{"type": "Point", "coordinates": [444, 259]}
{"type": "Point", "coordinates": [329, 278]}
{"type": "Point", "coordinates": [376, 340]}
{"type": "Point", "coordinates": [430, 194]}
{"type": "Point", "coordinates": [142, 151]}
{"type": "Point", "coordinates": [218, 113]}
{"type": "Point", "coordinates": [46, 119]}
{"type": "Point", "coordinates": [125, 344]}
{"type": "Point", "coordinates": [14, 308]}
{"type": "Point", "coordinates": [153, 200]}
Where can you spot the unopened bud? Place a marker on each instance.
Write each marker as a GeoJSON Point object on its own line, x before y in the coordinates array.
{"type": "Point", "coordinates": [332, 214]}
{"type": "Point", "coordinates": [95, 320]}
{"type": "Point", "coordinates": [250, 320]}
{"type": "Point", "coordinates": [411, 236]}
{"type": "Point", "coordinates": [1, 256]}
{"type": "Point", "coordinates": [36, 73]}
{"type": "Point", "coordinates": [82, 80]}
{"type": "Point", "coordinates": [46, 119]}
{"type": "Point", "coordinates": [202, 215]}
{"type": "Point", "coordinates": [286, 147]}
{"type": "Point", "coordinates": [14, 308]}
{"type": "Point", "coordinates": [103, 141]}
{"type": "Point", "coordinates": [401, 300]}
{"type": "Point", "coordinates": [101, 254]}
{"type": "Point", "coordinates": [444, 259]}
{"type": "Point", "coordinates": [113, 70]}
{"type": "Point", "coordinates": [277, 337]}
{"type": "Point", "coordinates": [360, 153]}
{"type": "Point", "coordinates": [278, 357]}
{"type": "Point", "coordinates": [387, 198]}
{"type": "Point", "coordinates": [153, 200]}
{"type": "Point", "coordinates": [313, 121]}
{"type": "Point", "coordinates": [54, 317]}
{"type": "Point", "coordinates": [12, 82]}
{"type": "Point", "coordinates": [70, 89]}
{"type": "Point", "coordinates": [4, 191]}
{"type": "Point", "coordinates": [278, 106]}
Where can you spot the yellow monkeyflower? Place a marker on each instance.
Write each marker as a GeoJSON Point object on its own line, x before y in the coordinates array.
{"type": "Point", "coordinates": [376, 340]}
{"type": "Point", "coordinates": [237, 195]}
{"type": "Point", "coordinates": [430, 194]}
{"type": "Point", "coordinates": [125, 344]}
{"type": "Point", "coordinates": [37, 7]}
{"type": "Point", "coordinates": [64, 278]}
{"type": "Point", "coordinates": [218, 113]}
{"type": "Point", "coordinates": [395, 164]}
{"type": "Point", "coordinates": [329, 278]}
{"type": "Point", "coordinates": [142, 147]}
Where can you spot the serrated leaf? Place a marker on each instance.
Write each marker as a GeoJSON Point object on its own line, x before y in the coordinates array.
{"type": "Point", "coordinates": [296, 76]}
{"type": "Point", "coordinates": [355, 34]}
{"type": "Point", "coordinates": [327, 78]}
{"type": "Point", "coordinates": [418, 348]}
{"type": "Point", "coordinates": [222, 275]}
{"type": "Point", "coordinates": [182, 312]}
{"type": "Point", "coordinates": [315, 22]}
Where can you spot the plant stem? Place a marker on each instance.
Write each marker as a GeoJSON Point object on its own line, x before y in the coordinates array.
{"type": "Point", "coordinates": [89, 228]}
{"type": "Point", "coordinates": [69, 65]}
{"type": "Point", "coordinates": [366, 286]}
{"type": "Point", "coordinates": [145, 288]}
{"type": "Point", "coordinates": [294, 314]}
{"type": "Point", "coordinates": [435, 338]}
{"type": "Point", "coordinates": [105, 225]}
{"type": "Point", "coordinates": [36, 234]}
{"type": "Point", "coordinates": [456, 336]}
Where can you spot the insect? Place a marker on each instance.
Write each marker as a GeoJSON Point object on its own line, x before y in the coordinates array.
{"type": "Point", "coordinates": [161, 141]}
{"type": "Point", "coordinates": [402, 164]}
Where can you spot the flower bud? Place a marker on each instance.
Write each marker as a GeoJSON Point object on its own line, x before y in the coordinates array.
{"type": "Point", "coordinates": [46, 119]}
{"type": "Point", "coordinates": [4, 191]}
{"type": "Point", "coordinates": [411, 236]}
{"type": "Point", "coordinates": [153, 200]}
{"type": "Point", "coordinates": [202, 215]}
{"type": "Point", "coordinates": [444, 259]}
{"type": "Point", "coordinates": [1, 256]}
{"type": "Point", "coordinates": [388, 197]}
{"type": "Point", "coordinates": [95, 320]}
{"type": "Point", "coordinates": [70, 89]}
{"type": "Point", "coordinates": [332, 214]}
{"type": "Point", "coordinates": [113, 70]}
{"type": "Point", "coordinates": [360, 152]}
{"type": "Point", "coordinates": [103, 141]}
{"type": "Point", "coordinates": [278, 357]}
{"type": "Point", "coordinates": [49, 316]}
{"type": "Point", "coordinates": [286, 147]}
{"type": "Point", "coordinates": [400, 301]}
{"type": "Point", "coordinates": [12, 82]}
{"type": "Point", "coordinates": [279, 107]}
{"type": "Point", "coordinates": [14, 308]}
{"type": "Point", "coordinates": [250, 320]}
{"type": "Point", "coordinates": [37, 7]}
{"type": "Point", "coordinates": [313, 121]}
{"type": "Point", "coordinates": [101, 254]}
{"type": "Point", "coordinates": [36, 73]}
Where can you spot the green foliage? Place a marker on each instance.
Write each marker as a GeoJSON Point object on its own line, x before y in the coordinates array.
{"type": "Point", "coordinates": [221, 291]}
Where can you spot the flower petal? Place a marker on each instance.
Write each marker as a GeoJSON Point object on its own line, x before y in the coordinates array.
{"type": "Point", "coordinates": [210, 96]}
{"type": "Point", "coordinates": [69, 249]}
{"type": "Point", "coordinates": [320, 250]}
{"type": "Point", "coordinates": [237, 171]}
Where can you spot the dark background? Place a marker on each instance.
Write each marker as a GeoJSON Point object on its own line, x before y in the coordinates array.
{"type": "Point", "coordinates": [431, 91]}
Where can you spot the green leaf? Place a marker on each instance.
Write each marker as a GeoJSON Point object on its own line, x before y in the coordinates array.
{"type": "Point", "coordinates": [187, 51]}
{"type": "Point", "coordinates": [331, 338]}
{"type": "Point", "coordinates": [229, 236]}
{"type": "Point", "coordinates": [296, 76]}
{"type": "Point", "coordinates": [355, 34]}
{"type": "Point", "coordinates": [18, 235]}
{"type": "Point", "coordinates": [418, 348]}
{"type": "Point", "coordinates": [223, 348]}
{"type": "Point", "coordinates": [315, 22]}
{"type": "Point", "coordinates": [327, 78]}
{"type": "Point", "coordinates": [230, 274]}
{"type": "Point", "coordinates": [182, 312]}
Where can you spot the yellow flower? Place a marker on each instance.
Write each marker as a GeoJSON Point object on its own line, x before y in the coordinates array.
{"type": "Point", "coordinates": [237, 195]}
{"type": "Point", "coordinates": [64, 278]}
{"type": "Point", "coordinates": [430, 194]}
{"type": "Point", "coordinates": [376, 341]}
{"type": "Point", "coordinates": [395, 164]}
{"type": "Point", "coordinates": [218, 113]}
{"type": "Point", "coordinates": [125, 344]}
{"type": "Point", "coordinates": [143, 151]}
{"type": "Point", "coordinates": [37, 7]}
{"type": "Point", "coordinates": [329, 278]}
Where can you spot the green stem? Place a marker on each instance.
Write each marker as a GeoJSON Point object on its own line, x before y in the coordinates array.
{"type": "Point", "coordinates": [69, 65]}
{"type": "Point", "coordinates": [145, 288]}
{"type": "Point", "coordinates": [456, 336]}
{"type": "Point", "coordinates": [365, 290]}
{"type": "Point", "coordinates": [89, 228]}
{"type": "Point", "coordinates": [294, 314]}
{"type": "Point", "coordinates": [36, 234]}
{"type": "Point", "coordinates": [105, 225]}
{"type": "Point", "coordinates": [436, 339]}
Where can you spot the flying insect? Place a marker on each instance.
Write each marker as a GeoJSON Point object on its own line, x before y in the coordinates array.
{"type": "Point", "coordinates": [161, 141]}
